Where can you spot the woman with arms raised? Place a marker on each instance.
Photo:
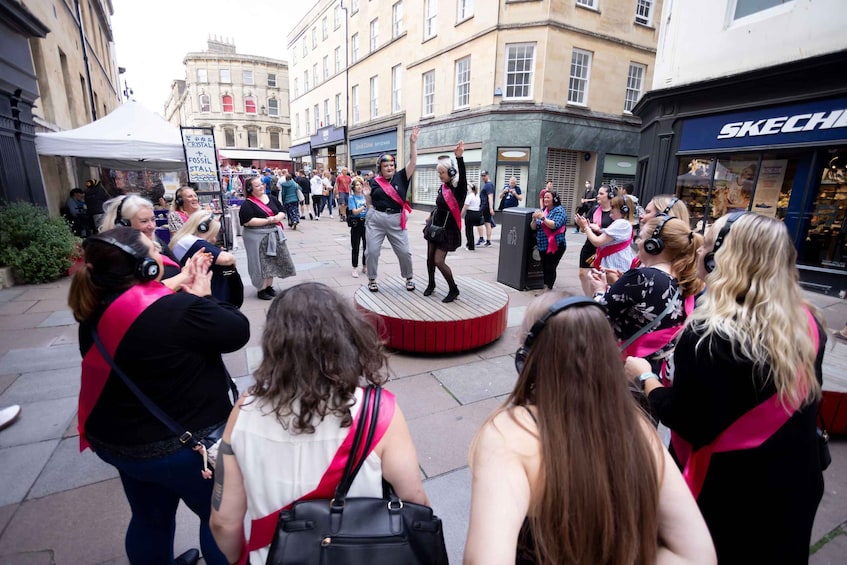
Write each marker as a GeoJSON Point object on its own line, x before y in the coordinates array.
{"type": "Point", "coordinates": [569, 470]}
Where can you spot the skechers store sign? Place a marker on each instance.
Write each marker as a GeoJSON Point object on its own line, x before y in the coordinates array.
{"type": "Point", "coordinates": [811, 123]}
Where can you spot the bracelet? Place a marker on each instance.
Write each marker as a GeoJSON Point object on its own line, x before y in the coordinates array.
{"type": "Point", "coordinates": [644, 377]}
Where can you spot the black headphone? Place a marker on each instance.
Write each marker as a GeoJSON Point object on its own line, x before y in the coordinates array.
{"type": "Point", "coordinates": [119, 219]}
{"type": "Point", "coordinates": [612, 191]}
{"type": "Point", "coordinates": [145, 269]}
{"type": "Point", "coordinates": [655, 245]}
{"type": "Point", "coordinates": [625, 207]}
{"type": "Point", "coordinates": [709, 258]}
{"type": "Point", "coordinates": [667, 209]}
{"type": "Point", "coordinates": [178, 200]}
{"type": "Point", "coordinates": [206, 225]}
{"type": "Point", "coordinates": [523, 351]}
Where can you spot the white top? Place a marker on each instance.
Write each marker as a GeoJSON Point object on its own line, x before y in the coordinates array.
{"type": "Point", "coordinates": [279, 467]}
{"type": "Point", "coordinates": [472, 201]}
{"type": "Point", "coordinates": [183, 245]}
{"type": "Point", "coordinates": [316, 185]}
{"type": "Point", "coordinates": [620, 230]}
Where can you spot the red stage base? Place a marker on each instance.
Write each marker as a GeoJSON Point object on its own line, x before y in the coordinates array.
{"type": "Point", "coordinates": [409, 321]}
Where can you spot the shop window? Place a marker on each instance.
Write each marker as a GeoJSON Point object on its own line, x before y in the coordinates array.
{"type": "Point", "coordinates": [426, 184]}
{"type": "Point", "coordinates": [826, 241]}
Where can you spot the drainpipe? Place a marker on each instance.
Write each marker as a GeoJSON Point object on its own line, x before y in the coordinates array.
{"type": "Point", "coordinates": [85, 59]}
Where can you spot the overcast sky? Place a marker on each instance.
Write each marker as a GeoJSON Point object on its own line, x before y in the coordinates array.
{"type": "Point", "coordinates": [153, 36]}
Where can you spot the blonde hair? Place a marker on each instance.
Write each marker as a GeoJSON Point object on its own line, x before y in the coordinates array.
{"type": "Point", "coordinates": [754, 301]}
{"type": "Point", "coordinates": [130, 205]}
{"type": "Point", "coordinates": [446, 163]}
{"type": "Point", "coordinates": [681, 246]}
{"type": "Point", "coordinates": [619, 201]}
{"type": "Point", "coordinates": [191, 225]}
{"type": "Point", "coordinates": [678, 210]}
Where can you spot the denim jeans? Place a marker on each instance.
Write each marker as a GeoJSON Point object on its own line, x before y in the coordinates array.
{"type": "Point", "coordinates": [154, 488]}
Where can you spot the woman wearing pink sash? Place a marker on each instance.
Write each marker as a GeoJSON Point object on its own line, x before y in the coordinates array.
{"type": "Point", "coordinates": [286, 437]}
{"type": "Point", "coordinates": [169, 345]}
{"type": "Point", "coordinates": [746, 389]}
{"type": "Point", "coordinates": [549, 225]}
{"type": "Point", "coordinates": [612, 243]}
{"type": "Point", "coordinates": [447, 214]}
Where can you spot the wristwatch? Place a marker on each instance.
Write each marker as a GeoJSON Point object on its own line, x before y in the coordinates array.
{"type": "Point", "coordinates": [643, 377]}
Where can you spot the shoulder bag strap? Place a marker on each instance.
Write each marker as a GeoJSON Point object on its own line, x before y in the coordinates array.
{"type": "Point", "coordinates": [368, 419]}
{"type": "Point", "coordinates": [652, 324]}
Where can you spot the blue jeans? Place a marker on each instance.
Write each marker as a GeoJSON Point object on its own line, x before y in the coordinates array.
{"type": "Point", "coordinates": [154, 488]}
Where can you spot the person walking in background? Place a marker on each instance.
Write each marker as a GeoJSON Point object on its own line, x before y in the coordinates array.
{"type": "Point", "coordinates": [745, 396]}
{"type": "Point", "coordinates": [305, 191]}
{"type": "Point", "coordinates": [316, 188]}
{"type": "Point", "coordinates": [447, 215]}
{"type": "Point", "coordinates": [486, 207]}
{"type": "Point", "coordinates": [318, 353]}
{"type": "Point", "coordinates": [328, 199]}
{"type": "Point", "coordinates": [386, 193]}
{"type": "Point", "coordinates": [511, 195]}
{"type": "Point", "coordinates": [290, 199]}
{"type": "Point", "coordinates": [590, 483]}
{"type": "Point", "coordinates": [356, 214]}
{"type": "Point", "coordinates": [472, 215]}
{"type": "Point", "coordinates": [342, 188]}
{"type": "Point", "coordinates": [549, 225]}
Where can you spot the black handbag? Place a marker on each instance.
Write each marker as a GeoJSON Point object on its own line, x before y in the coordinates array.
{"type": "Point", "coordinates": [434, 232]}
{"type": "Point", "coordinates": [354, 531]}
{"type": "Point", "coordinates": [822, 436]}
{"type": "Point", "coordinates": [353, 221]}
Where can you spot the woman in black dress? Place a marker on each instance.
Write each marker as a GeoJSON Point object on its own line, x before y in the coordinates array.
{"type": "Point", "coordinates": [447, 214]}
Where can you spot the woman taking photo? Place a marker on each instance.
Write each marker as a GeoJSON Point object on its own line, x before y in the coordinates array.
{"type": "Point", "coordinates": [549, 225]}
{"type": "Point", "coordinates": [447, 215]}
{"type": "Point", "coordinates": [198, 235]}
{"type": "Point", "coordinates": [599, 217]}
{"type": "Point", "coordinates": [185, 203]}
{"type": "Point", "coordinates": [318, 354]}
{"type": "Point", "coordinates": [745, 395]}
{"type": "Point", "coordinates": [357, 211]}
{"type": "Point", "coordinates": [264, 240]}
{"type": "Point", "coordinates": [589, 484]}
{"type": "Point", "coordinates": [612, 242]}
{"type": "Point", "coordinates": [169, 345]}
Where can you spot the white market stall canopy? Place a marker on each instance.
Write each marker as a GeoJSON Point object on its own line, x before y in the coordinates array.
{"type": "Point", "coordinates": [254, 154]}
{"type": "Point", "coordinates": [130, 138]}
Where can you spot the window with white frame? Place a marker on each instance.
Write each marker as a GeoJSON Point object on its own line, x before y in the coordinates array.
{"type": "Point", "coordinates": [746, 7]}
{"type": "Point", "coordinates": [396, 88]}
{"type": "Point", "coordinates": [324, 28]}
{"type": "Point", "coordinates": [205, 103]}
{"type": "Point", "coordinates": [337, 60]}
{"type": "Point", "coordinates": [374, 97]}
{"type": "Point", "coordinates": [326, 67]}
{"type": "Point", "coordinates": [226, 103]}
{"type": "Point", "coordinates": [338, 118]}
{"type": "Point", "coordinates": [247, 77]}
{"type": "Point", "coordinates": [520, 69]}
{"type": "Point", "coordinates": [224, 74]}
{"type": "Point", "coordinates": [428, 95]}
{"type": "Point", "coordinates": [634, 83]}
{"type": "Point", "coordinates": [374, 34]}
{"type": "Point", "coordinates": [272, 80]}
{"type": "Point", "coordinates": [250, 104]}
{"type": "Point", "coordinates": [326, 112]}
{"type": "Point", "coordinates": [305, 81]}
{"type": "Point", "coordinates": [463, 83]}
{"type": "Point", "coordinates": [273, 107]}
{"type": "Point", "coordinates": [430, 18]}
{"type": "Point", "coordinates": [229, 137]}
{"type": "Point", "coordinates": [305, 46]}
{"type": "Point", "coordinates": [354, 98]}
{"type": "Point", "coordinates": [308, 131]}
{"type": "Point", "coordinates": [274, 138]}
{"type": "Point", "coordinates": [296, 87]}
{"type": "Point", "coordinates": [297, 125]}
{"type": "Point", "coordinates": [580, 74]}
{"type": "Point", "coordinates": [336, 16]}
{"type": "Point", "coordinates": [294, 55]}
{"type": "Point", "coordinates": [587, 3]}
{"type": "Point", "coordinates": [354, 6]}
{"type": "Point", "coordinates": [644, 12]}
{"type": "Point", "coordinates": [315, 74]}
{"type": "Point", "coordinates": [464, 10]}
{"type": "Point", "coordinates": [317, 117]}
{"type": "Point", "coordinates": [202, 75]}
{"type": "Point", "coordinates": [314, 38]}
{"type": "Point", "coordinates": [252, 137]}
{"type": "Point", "coordinates": [354, 48]}
{"type": "Point", "coordinates": [396, 19]}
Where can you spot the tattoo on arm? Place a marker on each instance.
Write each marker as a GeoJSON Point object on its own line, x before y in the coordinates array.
{"type": "Point", "coordinates": [218, 490]}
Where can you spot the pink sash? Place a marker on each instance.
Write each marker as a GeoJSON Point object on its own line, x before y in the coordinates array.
{"type": "Point", "coordinates": [264, 208]}
{"type": "Point", "coordinates": [182, 215]}
{"type": "Point", "coordinates": [112, 328]}
{"type": "Point", "coordinates": [392, 193]}
{"type": "Point", "coordinates": [609, 250]}
{"type": "Point", "coordinates": [262, 529]}
{"type": "Point", "coordinates": [168, 261]}
{"type": "Point", "coordinates": [452, 203]}
{"type": "Point", "coordinates": [652, 342]}
{"type": "Point", "coordinates": [552, 246]}
{"type": "Point", "coordinates": [749, 431]}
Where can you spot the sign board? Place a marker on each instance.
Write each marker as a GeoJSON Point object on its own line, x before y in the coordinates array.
{"type": "Point", "coordinates": [200, 157]}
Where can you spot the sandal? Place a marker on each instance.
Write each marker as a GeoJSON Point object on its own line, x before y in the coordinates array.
{"type": "Point", "coordinates": [372, 286]}
{"type": "Point", "coordinates": [410, 285]}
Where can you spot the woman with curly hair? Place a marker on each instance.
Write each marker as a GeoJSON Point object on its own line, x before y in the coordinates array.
{"type": "Point", "coordinates": [745, 395]}
{"type": "Point", "coordinates": [318, 353]}
{"type": "Point", "coordinates": [587, 483]}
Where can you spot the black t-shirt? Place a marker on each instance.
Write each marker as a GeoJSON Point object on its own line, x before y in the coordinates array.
{"type": "Point", "coordinates": [250, 210]}
{"type": "Point", "coordinates": [487, 188]}
{"type": "Point", "coordinates": [173, 353]}
{"type": "Point", "coordinates": [381, 200]}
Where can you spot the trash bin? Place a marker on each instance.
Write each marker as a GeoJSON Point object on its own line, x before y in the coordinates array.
{"type": "Point", "coordinates": [520, 263]}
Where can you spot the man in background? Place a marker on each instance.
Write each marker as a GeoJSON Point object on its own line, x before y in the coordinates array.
{"type": "Point", "coordinates": [342, 188]}
{"type": "Point", "coordinates": [486, 207]}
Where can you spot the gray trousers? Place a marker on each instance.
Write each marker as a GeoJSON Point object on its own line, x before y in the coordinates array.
{"type": "Point", "coordinates": [378, 226]}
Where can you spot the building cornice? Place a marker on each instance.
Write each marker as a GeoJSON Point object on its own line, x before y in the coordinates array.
{"type": "Point", "coordinates": [254, 59]}
{"type": "Point", "coordinates": [18, 17]}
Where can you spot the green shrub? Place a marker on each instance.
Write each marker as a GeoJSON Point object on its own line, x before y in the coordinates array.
{"type": "Point", "coordinates": [37, 247]}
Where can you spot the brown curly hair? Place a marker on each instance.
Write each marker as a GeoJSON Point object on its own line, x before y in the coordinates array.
{"type": "Point", "coordinates": [316, 350]}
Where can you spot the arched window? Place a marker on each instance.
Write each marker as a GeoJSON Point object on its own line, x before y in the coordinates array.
{"type": "Point", "coordinates": [226, 102]}
{"type": "Point", "coordinates": [205, 103]}
{"type": "Point", "coordinates": [250, 104]}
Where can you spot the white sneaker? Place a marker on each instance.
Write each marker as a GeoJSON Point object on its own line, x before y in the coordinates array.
{"type": "Point", "coordinates": [355, 273]}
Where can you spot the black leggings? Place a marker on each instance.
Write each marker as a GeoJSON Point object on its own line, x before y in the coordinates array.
{"type": "Point", "coordinates": [549, 264]}
{"type": "Point", "coordinates": [436, 257]}
{"type": "Point", "coordinates": [317, 204]}
{"type": "Point", "coordinates": [472, 219]}
{"type": "Point", "coordinates": [357, 235]}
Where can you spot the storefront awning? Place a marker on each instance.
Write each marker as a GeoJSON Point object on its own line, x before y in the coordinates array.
{"type": "Point", "coordinates": [302, 150]}
{"type": "Point", "coordinates": [254, 154]}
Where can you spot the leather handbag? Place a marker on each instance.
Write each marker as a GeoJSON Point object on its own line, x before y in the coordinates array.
{"type": "Point", "coordinates": [358, 531]}
{"type": "Point", "coordinates": [434, 232]}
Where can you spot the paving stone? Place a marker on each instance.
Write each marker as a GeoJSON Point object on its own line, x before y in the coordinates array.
{"type": "Point", "coordinates": [22, 321]}
{"type": "Point", "coordinates": [450, 497]}
{"type": "Point", "coordinates": [6, 381]}
{"type": "Point", "coordinates": [254, 358]}
{"type": "Point", "coordinates": [8, 294]}
{"type": "Point", "coordinates": [6, 513]}
{"type": "Point", "coordinates": [421, 395]}
{"type": "Point", "coordinates": [58, 475]}
{"type": "Point", "coordinates": [39, 359]}
{"type": "Point", "coordinates": [21, 466]}
{"type": "Point", "coordinates": [53, 305]}
{"type": "Point", "coordinates": [63, 318]}
{"type": "Point", "coordinates": [477, 381]}
{"type": "Point", "coordinates": [40, 421]}
{"type": "Point", "coordinates": [45, 557]}
{"type": "Point", "coordinates": [43, 385]}
{"type": "Point", "coordinates": [408, 364]}
{"type": "Point", "coordinates": [14, 307]}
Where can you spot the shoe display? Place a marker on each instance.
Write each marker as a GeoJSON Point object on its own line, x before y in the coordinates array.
{"type": "Point", "coordinates": [452, 295]}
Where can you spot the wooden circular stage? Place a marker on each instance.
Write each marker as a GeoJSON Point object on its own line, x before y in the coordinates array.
{"type": "Point", "coordinates": [410, 321]}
